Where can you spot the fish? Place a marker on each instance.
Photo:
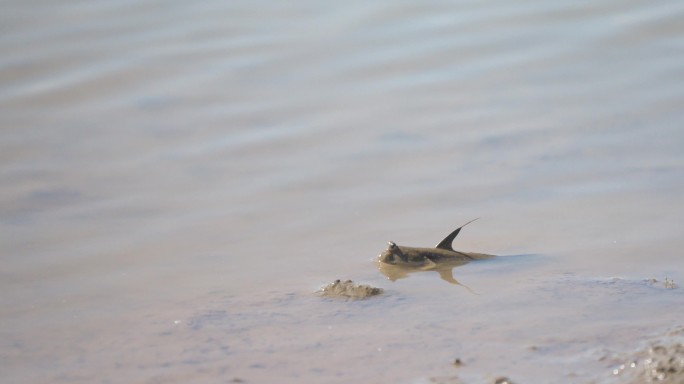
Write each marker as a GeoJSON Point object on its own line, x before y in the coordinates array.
{"type": "Point", "coordinates": [397, 260]}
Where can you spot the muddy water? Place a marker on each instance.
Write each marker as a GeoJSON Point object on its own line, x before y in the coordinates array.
{"type": "Point", "coordinates": [177, 179]}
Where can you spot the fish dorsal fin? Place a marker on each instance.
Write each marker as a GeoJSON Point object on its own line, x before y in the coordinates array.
{"type": "Point", "coordinates": [446, 243]}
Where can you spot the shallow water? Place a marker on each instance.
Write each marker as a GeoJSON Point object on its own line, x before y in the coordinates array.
{"type": "Point", "coordinates": [177, 179]}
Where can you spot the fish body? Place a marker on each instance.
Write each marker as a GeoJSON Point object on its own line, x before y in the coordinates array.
{"type": "Point", "coordinates": [444, 251]}
{"type": "Point", "coordinates": [412, 256]}
{"type": "Point", "coordinates": [397, 260]}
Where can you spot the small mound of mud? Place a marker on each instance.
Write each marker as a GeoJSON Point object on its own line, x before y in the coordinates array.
{"type": "Point", "coordinates": [349, 290]}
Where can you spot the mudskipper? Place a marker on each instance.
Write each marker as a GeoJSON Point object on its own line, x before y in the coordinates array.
{"type": "Point", "coordinates": [397, 261]}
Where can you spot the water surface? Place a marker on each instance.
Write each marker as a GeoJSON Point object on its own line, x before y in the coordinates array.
{"type": "Point", "coordinates": [177, 179]}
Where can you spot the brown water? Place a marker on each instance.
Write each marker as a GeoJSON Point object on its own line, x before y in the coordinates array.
{"type": "Point", "coordinates": [179, 177]}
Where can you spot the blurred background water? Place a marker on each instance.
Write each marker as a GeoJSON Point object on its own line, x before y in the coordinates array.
{"type": "Point", "coordinates": [154, 152]}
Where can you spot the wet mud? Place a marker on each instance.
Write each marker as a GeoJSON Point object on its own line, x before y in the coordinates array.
{"type": "Point", "coordinates": [349, 290]}
{"type": "Point", "coordinates": [662, 361]}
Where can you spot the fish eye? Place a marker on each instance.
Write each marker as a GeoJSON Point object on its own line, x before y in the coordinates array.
{"type": "Point", "coordinates": [392, 245]}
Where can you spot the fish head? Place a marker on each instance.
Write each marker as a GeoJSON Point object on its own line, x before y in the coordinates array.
{"type": "Point", "coordinates": [393, 254]}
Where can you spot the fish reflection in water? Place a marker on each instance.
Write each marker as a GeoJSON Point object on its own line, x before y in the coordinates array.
{"type": "Point", "coordinates": [445, 270]}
